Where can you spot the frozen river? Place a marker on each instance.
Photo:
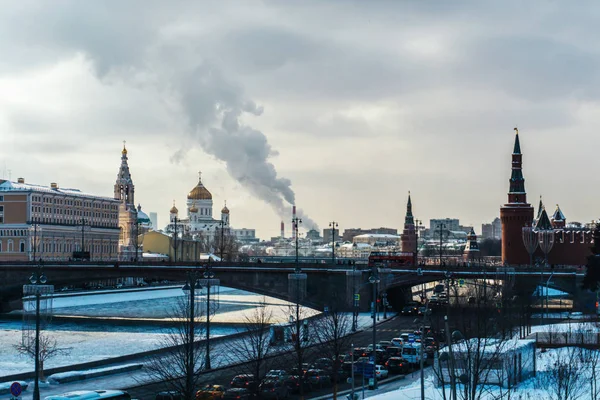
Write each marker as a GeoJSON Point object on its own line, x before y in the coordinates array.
{"type": "Point", "coordinates": [88, 339]}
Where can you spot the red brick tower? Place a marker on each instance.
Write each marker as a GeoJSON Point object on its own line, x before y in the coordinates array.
{"type": "Point", "coordinates": [516, 214]}
{"type": "Point", "coordinates": [408, 238]}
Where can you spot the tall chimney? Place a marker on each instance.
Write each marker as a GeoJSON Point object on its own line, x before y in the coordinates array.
{"type": "Point", "coordinates": [282, 230]}
{"type": "Point", "coordinates": [295, 224]}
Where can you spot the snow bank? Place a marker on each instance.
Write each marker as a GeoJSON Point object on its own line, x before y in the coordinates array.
{"type": "Point", "coordinates": [71, 376]}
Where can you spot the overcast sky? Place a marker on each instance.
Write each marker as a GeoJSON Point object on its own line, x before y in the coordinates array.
{"type": "Point", "coordinates": [340, 106]}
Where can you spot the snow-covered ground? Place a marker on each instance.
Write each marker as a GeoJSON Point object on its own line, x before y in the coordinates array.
{"type": "Point", "coordinates": [90, 342]}
{"type": "Point", "coordinates": [539, 387]}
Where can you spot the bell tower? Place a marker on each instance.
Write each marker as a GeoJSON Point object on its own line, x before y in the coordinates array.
{"type": "Point", "coordinates": [124, 188]}
{"type": "Point", "coordinates": [515, 214]}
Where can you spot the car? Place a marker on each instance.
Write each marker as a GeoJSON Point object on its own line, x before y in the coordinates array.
{"type": "Point", "coordinates": [439, 288]}
{"type": "Point", "coordinates": [394, 351]}
{"type": "Point", "coordinates": [210, 392]}
{"type": "Point", "coordinates": [171, 395]}
{"type": "Point", "coordinates": [422, 310]}
{"type": "Point", "coordinates": [370, 348]}
{"type": "Point", "coordinates": [323, 363]}
{"type": "Point", "coordinates": [359, 351]}
{"type": "Point", "coordinates": [273, 389]}
{"type": "Point", "coordinates": [397, 365]}
{"type": "Point", "coordinates": [276, 374]}
{"type": "Point", "coordinates": [409, 310]}
{"type": "Point", "coordinates": [397, 342]}
{"type": "Point", "coordinates": [237, 394]}
{"type": "Point", "coordinates": [293, 384]}
{"type": "Point", "coordinates": [318, 378]}
{"type": "Point", "coordinates": [246, 381]}
{"type": "Point", "coordinates": [575, 315]}
{"type": "Point", "coordinates": [380, 372]}
{"type": "Point", "coordinates": [385, 344]}
{"type": "Point", "coordinates": [404, 337]}
{"type": "Point", "coordinates": [411, 352]}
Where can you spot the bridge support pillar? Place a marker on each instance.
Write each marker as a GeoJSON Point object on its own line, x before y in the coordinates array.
{"type": "Point", "coordinates": [354, 280]}
{"type": "Point", "coordinates": [297, 287]}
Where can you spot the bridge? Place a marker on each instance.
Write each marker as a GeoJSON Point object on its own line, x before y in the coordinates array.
{"type": "Point", "coordinates": [317, 284]}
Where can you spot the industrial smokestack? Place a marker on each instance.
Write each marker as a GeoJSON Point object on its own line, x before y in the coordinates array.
{"type": "Point", "coordinates": [295, 223]}
{"type": "Point", "coordinates": [282, 230]}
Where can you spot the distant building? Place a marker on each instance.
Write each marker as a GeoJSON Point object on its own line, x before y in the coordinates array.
{"type": "Point", "coordinates": [492, 230]}
{"type": "Point", "coordinates": [446, 224]}
{"type": "Point", "coordinates": [327, 235]}
{"type": "Point", "coordinates": [245, 236]}
{"type": "Point", "coordinates": [313, 234]}
{"type": "Point", "coordinates": [154, 220]}
{"type": "Point", "coordinates": [46, 222]}
{"type": "Point", "coordinates": [350, 233]}
{"type": "Point", "coordinates": [378, 239]}
{"type": "Point", "coordinates": [409, 236]}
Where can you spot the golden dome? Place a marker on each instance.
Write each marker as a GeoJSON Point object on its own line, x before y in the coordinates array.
{"type": "Point", "coordinates": [124, 152]}
{"type": "Point", "coordinates": [174, 209]}
{"type": "Point", "coordinates": [193, 208]}
{"type": "Point", "coordinates": [199, 192]}
{"type": "Point", "coordinates": [225, 210]}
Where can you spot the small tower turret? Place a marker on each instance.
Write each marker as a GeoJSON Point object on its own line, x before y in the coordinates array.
{"type": "Point", "coordinates": [558, 218]}
{"type": "Point", "coordinates": [408, 238]}
{"type": "Point", "coordinates": [225, 215]}
{"type": "Point", "coordinates": [173, 213]}
{"type": "Point", "coordinates": [471, 251]}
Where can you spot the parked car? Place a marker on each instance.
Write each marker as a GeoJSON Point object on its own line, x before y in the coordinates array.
{"type": "Point", "coordinates": [380, 372]}
{"type": "Point", "coordinates": [246, 381]}
{"type": "Point", "coordinates": [318, 378]}
{"type": "Point", "coordinates": [397, 365]}
{"type": "Point", "coordinates": [273, 389]}
{"type": "Point", "coordinates": [210, 392]}
{"type": "Point", "coordinates": [293, 384]}
{"type": "Point", "coordinates": [237, 394]}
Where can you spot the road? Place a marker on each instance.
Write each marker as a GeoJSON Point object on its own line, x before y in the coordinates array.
{"type": "Point", "coordinates": [386, 330]}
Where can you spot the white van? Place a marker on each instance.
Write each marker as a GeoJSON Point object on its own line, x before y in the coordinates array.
{"type": "Point", "coordinates": [411, 353]}
{"type": "Point", "coordinates": [91, 395]}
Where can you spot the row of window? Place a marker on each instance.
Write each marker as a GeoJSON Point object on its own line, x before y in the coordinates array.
{"type": "Point", "coordinates": [76, 203]}
{"type": "Point", "coordinates": [10, 246]}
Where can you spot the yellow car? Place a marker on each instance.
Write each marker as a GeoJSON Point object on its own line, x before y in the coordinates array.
{"type": "Point", "coordinates": [210, 392]}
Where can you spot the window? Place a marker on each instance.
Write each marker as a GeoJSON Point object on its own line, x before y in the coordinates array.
{"type": "Point", "coordinates": [22, 247]}
{"type": "Point", "coordinates": [0, 246]}
{"type": "Point", "coordinates": [1, 198]}
{"type": "Point", "coordinates": [10, 246]}
{"type": "Point", "coordinates": [1, 214]}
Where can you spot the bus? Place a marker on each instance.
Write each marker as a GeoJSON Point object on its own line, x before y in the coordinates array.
{"type": "Point", "coordinates": [91, 395]}
{"type": "Point", "coordinates": [391, 259]}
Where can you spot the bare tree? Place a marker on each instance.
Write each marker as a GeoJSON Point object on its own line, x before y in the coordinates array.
{"type": "Point", "coordinates": [331, 332]}
{"type": "Point", "coordinates": [299, 334]}
{"type": "Point", "coordinates": [184, 356]}
{"type": "Point", "coordinates": [251, 353]}
{"type": "Point", "coordinates": [565, 378]}
{"type": "Point", "coordinates": [48, 349]}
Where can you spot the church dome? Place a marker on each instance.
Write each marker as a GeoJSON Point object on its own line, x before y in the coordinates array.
{"type": "Point", "coordinates": [193, 208]}
{"type": "Point", "coordinates": [199, 192]}
{"type": "Point", "coordinates": [225, 210]}
{"type": "Point", "coordinates": [174, 209]}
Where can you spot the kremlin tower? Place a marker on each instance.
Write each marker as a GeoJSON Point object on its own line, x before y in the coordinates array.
{"type": "Point", "coordinates": [408, 238]}
{"type": "Point", "coordinates": [515, 214]}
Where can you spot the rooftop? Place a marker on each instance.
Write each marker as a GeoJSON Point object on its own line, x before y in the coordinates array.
{"type": "Point", "coordinates": [8, 186]}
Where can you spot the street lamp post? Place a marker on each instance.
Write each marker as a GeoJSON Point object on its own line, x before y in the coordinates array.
{"type": "Point", "coordinates": [222, 247]}
{"type": "Point", "coordinates": [374, 280]}
{"type": "Point", "coordinates": [295, 224]}
{"type": "Point", "coordinates": [332, 225]}
{"type": "Point", "coordinates": [192, 284]}
{"type": "Point", "coordinates": [441, 241]}
{"type": "Point", "coordinates": [208, 275]}
{"type": "Point", "coordinates": [37, 280]}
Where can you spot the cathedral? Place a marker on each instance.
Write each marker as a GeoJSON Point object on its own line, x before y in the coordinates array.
{"type": "Point", "coordinates": [198, 218]}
